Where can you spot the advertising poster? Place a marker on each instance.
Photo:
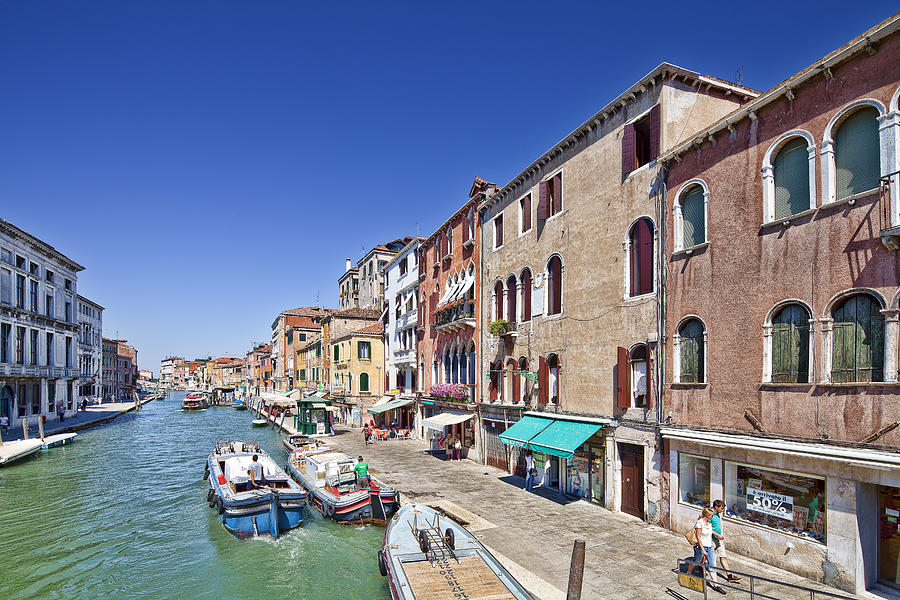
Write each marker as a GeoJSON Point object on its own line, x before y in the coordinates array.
{"type": "Point", "coordinates": [770, 503]}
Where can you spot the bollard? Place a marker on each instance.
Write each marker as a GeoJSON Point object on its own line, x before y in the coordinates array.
{"type": "Point", "coordinates": [1, 437]}
{"type": "Point", "coordinates": [283, 415]}
{"type": "Point", "coordinates": [41, 427]}
{"type": "Point", "coordinates": [24, 428]}
{"type": "Point", "coordinates": [576, 571]}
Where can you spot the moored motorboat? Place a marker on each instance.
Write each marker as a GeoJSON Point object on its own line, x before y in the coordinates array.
{"type": "Point", "coordinates": [195, 401]}
{"type": "Point", "coordinates": [245, 511]}
{"type": "Point", "coordinates": [239, 404]}
{"type": "Point", "coordinates": [60, 439]}
{"type": "Point", "coordinates": [259, 422]}
{"type": "Point", "coordinates": [333, 488]}
{"type": "Point", "coordinates": [298, 445]}
{"type": "Point", "coordinates": [426, 555]}
{"type": "Point", "coordinates": [17, 450]}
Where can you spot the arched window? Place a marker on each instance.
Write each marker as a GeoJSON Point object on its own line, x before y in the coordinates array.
{"type": "Point", "coordinates": [514, 381]}
{"type": "Point", "coordinates": [692, 352]}
{"type": "Point", "coordinates": [857, 155]}
{"type": "Point", "coordinates": [363, 382]}
{"type": "Point", "coordinates": [523, 396]}
{"type": "Point", "coordinates": [498, 299]}
{"type": "Point", "coordinates": [511, 294]}
{"type": "Point", "coordinates": [639, 375]}
{"type": "Point", "coordinates": [553, 366]}
{"type": "Point", "coordinates": [640, 258]}
{"type": "Point", "coordinates": [449, 240]}
{"type": "Point", "coordinates": [858, 342]}
{"type": "Point", "coordinates": [690, 216]}
{"type": "Point", "coordinates": [790, 345]}
{"type": "Point", "coordinates": [496, 380]}
{"type": "Point", "coordinates": [471, 223]}
{"type": "Point", "coordinates": [792, 178]}
{"type": "Point", "coordinates": [526, 295]}
{"type": "Point", "coordinates": [554, 286]}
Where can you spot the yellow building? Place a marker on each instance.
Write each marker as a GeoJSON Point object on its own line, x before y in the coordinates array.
{"type": "Point", "coordinates": [357, 369]}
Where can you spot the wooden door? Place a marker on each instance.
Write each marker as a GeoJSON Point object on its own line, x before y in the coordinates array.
{"type": "Point", "coordinates": [496, 453]}
{"type": "Point", "coordinates": [632, 479]}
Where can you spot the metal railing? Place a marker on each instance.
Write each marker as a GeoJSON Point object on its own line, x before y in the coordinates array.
{"type": "Point", "coordinates": [884, 200]}
{"type": "Point", "coordinates": [753, 582]}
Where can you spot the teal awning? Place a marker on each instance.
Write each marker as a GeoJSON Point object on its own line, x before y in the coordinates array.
{"type": "Point", "coordinates": [389, 405]}
{"type": "Point", "coordinates": [523, 430]}
{"type": "Point", "coordinates": [561, 438]}
{"type": "Point", "coordinates": [427, 402]}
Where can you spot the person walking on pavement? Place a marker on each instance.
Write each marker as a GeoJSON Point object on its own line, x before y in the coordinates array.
{"type": "Point", "coordinates": [4, 423]}
{"type": "Point", "coordinates": [704, 551]}
{"type": "Point", "coordinates": [718, 507]}
{"type": "Point", "coordinates": [529, 471]}
{"type": "Point", "coordinates": [366, 433]}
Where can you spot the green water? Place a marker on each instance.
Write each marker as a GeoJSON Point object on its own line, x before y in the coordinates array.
{"type": "Point", "coordinates": [122, 514]}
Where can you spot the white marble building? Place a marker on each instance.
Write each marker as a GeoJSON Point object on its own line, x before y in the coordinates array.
{"type": "Point", "coordinates": [90, 346]}
{"type": "Point", "coordinates": [401, 297]}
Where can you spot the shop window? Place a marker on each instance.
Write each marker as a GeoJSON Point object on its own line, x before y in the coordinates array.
{"type": "Point", "coordinates": [783, 501]}
{"type": "Point", "coordinates": [889, 546]}
{"type": "Point", "coordinates": [693, 480]}
{"type": "Point", "coordinates": [858, 343]}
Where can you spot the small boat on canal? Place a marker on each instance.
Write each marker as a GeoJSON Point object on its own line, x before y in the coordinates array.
{"type": "Point", "coordinates": [61, 439]}
{"type": "Point", "coordinates": [299, 445]}
{"type": "Point", "coordinates": [333, 488]}
{"type": "Point", "coordinates": [246, 511]}
{"type": "Point", "coordinates": [11, 452]}
{"type": "Point", "coordinates": [426, 555]}
{"type": "Point", "coordinates": [195, 401]}
{"type": "Point", "coordinates": [239, 405]}
{"type": "Point", "coordinates": [259, 422]}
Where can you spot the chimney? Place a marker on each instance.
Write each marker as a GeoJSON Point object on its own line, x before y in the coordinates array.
{"type": "Point", "coordinates": [348, 265]}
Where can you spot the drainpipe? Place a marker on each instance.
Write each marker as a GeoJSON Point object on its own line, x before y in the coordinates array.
{"type": "Point", "coordinates": [661, 304]}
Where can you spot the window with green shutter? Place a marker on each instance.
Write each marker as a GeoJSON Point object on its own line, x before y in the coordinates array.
{"type": "Point", "coordinates": [693, 217]}
{"type": "Point", "coordinates": [792, 179]}
{"type": "Point", "coordinates": [302, 376]}
{"type": "Point", "coordinates": [858, 343]}
{"type": "Point", "coordinates": [337, 352]}
{"type": "Point", "coordinates": [364, 382]}
{"type": "Point", "coordinates": [857, 157]}
{"type": "Point", "coordinates": [692, 352]}
{"type": "Point", "coordinates": [790, 345]}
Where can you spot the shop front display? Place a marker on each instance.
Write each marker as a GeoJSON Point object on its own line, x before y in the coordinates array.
{"type": "Point", "coordinates": [792, 503]}
{"type": "Point", "coordinates": [889, 537]}
{"type": "Point", "coordinates": [693, 480]}
{"type": "Point", "coordinates": [585, 473]}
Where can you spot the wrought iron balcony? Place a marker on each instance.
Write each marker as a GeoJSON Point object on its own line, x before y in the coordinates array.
{"type": "Point", "coordinates": [889, 210]}
{"type": "Point", "coordinates": [455, 317]}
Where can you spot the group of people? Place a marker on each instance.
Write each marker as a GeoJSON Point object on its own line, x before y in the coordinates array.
{"type": "Point", "coordinates": [710, 543]}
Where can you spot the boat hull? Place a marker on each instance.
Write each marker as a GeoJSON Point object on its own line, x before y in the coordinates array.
{"type": "Point", "coordinates": [354, 508]}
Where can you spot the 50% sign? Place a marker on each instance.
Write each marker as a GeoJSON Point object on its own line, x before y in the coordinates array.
{"type": "Point", "coordinates": [770, 503]}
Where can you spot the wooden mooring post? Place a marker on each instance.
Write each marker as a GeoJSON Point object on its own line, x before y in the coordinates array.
{"type": "Point", "coordinates": [24, 428]}
{"type": "Point", "coordinates": [576, 571]}
{"type": "Point", "coordinates": [281, 426]}
{"type": "Point", "coordinates": [41, 426]}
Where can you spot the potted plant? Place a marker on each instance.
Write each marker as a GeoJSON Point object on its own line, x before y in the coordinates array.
{"type": "Point", "coordinates": [499, 327]}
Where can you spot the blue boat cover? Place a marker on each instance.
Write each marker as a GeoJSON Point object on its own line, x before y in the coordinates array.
{"type": "Point", "coordinates": [524, 429]}
{"type": "Point", "coordinates": [561, 438]}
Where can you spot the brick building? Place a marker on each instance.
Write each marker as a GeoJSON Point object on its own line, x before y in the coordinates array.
{"type": "Point", "coordinates": [782, 324]}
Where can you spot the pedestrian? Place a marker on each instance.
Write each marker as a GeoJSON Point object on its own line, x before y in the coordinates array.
{"type": "Point", "coordinates": [61, 412]}
{"type": "Point", "coordinates": [457, 445]}
{"type": "Point", "coordinates": [704, 551]}
{"type": "Point", "coordinates": [530, 471]}
{"type": "Point", "coordinates": [366, 433]}
{"type": "Point", "coordinates": [718, 507]}
{"type": "Point", "coordinates": [4, 423]}
{"type": "Point", "coordinates": [362, 472]}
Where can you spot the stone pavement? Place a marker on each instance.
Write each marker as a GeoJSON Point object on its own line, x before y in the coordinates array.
{"type": "Point", "coordinates": [625, 558]}
{"type": "Point", "coordinates": [94, 415]}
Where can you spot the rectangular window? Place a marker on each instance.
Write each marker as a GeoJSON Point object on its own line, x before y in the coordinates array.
{"type": "Point", "coordinates": [34, 269]}
{"type": "Point", "coordinates": [49, 349]}
{"type": "Point", "coordinates": [302, 375]}
{"type": "Point", "coordinates": [788, 502]}
{"type": "Point", "coordinates": [34, 347]}
{"type": "Point", "coordinates": [525, 213]}
{"type": "Point", "coordinates": [33, 295]}
{"type": "Point", "coordinates": [20, 262]}
{"type": "Point", "coordinates": [20, 345]}
{"type": "Point", "coordinates": [20, 291]}
{"type": "Point", "coordinates": [402, 266]}
{"type": "Point", "coordinates": [693, 480]}
{"type": "Point", "coordinates": [68, 352]}
{"type": "Point", "coordinates": [48, 304]}
{"type": "Point", "coordinates": [48, 275]}
{"type": "Point", "coordinates": [68, 284]}
{"type": "Point", "coordinates": [498, 231]}
{"type": "Point", "coordinates": [365, 349]}
{"type": "Point", "coordinates": [20, 401]}
{"type": "Point", "coordinates": [337, 352]}
{"type": "Point", "coordinates": [302, 337]}
{"type": "Point", "coordinates": [36, 396]}
{"type": "Point", "coordinates": [4, 342]}
{"type": "Point", "coordinates": [68, 312]}
{"type": "Point", "coordinates": [640, 141]}
{"type": "Point", "coordinates": [5, 286]}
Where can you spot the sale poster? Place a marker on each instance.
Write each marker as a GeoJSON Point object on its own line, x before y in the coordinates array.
{"type": "Point", "coordinates": [770, 503]}
{"type": "Point", "coordinates": [801, 515]}
{"type": "Point", "coordinates": [819, 526]}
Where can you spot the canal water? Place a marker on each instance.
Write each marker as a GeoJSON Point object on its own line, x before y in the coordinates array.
{"type": "Point", "coordinates": [122, 514]}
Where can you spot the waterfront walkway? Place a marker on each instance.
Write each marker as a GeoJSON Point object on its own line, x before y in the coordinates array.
{"type": "Point", "coordinates": [533, 533]}
{"type": "Point", "coordinates": [95, 414]}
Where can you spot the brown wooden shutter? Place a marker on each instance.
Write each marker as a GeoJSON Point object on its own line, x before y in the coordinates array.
{"type": "Point", "coordinates": [557, 198]}
{"type": "Point", "coordinates": [526, 295]}
{"type": "Point", "coordinates": [645, 257]}
{"type": "Point", "coordinates": [543, 212]}
{"type": "Point", "coordinates": [623, 385]}
{"type": "Point", "coordinates": [654, 132]}
{"type": "Point", "coordinates": [543, 380]}
{"type": "Point", "coordinates": [648, 392]}
{"type": "Point", "coordinates": [526, 213]}
{"type": "Point", "coordinates": [516, 390]}
{"type": "Point", "coordinates": [628, 160]}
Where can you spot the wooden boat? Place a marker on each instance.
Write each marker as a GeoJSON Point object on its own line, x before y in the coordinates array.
{"type": "Point", "coordinates": [245, 512]}
{"type": "Point", "coordinates": [61, 439]}
{"type": "Point", "coordinates": [11, 452]}
{"type": "Point", "coordinates": [239, 405]}
{"type": "Point", "coordinates": [259, 422]}
{"type": "Point", "coordinates": [195, 401]}
{"type": "Point", "coordinates": [302, 444]}
{"type": "Point", "coordinates": [426, 555]}
{"type": "Point", "coordinates": [331, 482]}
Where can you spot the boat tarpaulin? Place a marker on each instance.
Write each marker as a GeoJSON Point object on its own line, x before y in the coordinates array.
{"type": "Point", "coordinates": [524, 429]}
{"type": "Point", "coordinates": [438, 422]}
{"type": "Point", "coordinates": [561, 438]}
{"type": "Point", "coordinates": [383, 407]}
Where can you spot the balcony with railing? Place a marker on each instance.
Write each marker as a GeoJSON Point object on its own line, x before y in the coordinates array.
{"type": "Point", "coordinates": [455, 316]}
{"type": "Point", "coordinates": [889, 204]}
{"type": "Point", "coordinates": [405, 356]}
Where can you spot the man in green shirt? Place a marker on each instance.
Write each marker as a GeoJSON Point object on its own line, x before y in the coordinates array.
{"type": "Point", "coordinates": [718, 507]}
{"type": "Point", "coordinates": [362, 472]}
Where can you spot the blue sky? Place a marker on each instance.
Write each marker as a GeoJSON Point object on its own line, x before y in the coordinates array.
{"type": "Point", "coordinates": [212, 163]}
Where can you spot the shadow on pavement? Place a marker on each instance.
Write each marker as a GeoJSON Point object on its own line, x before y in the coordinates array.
{"type": "Point", "coordinates": [545, 493]}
